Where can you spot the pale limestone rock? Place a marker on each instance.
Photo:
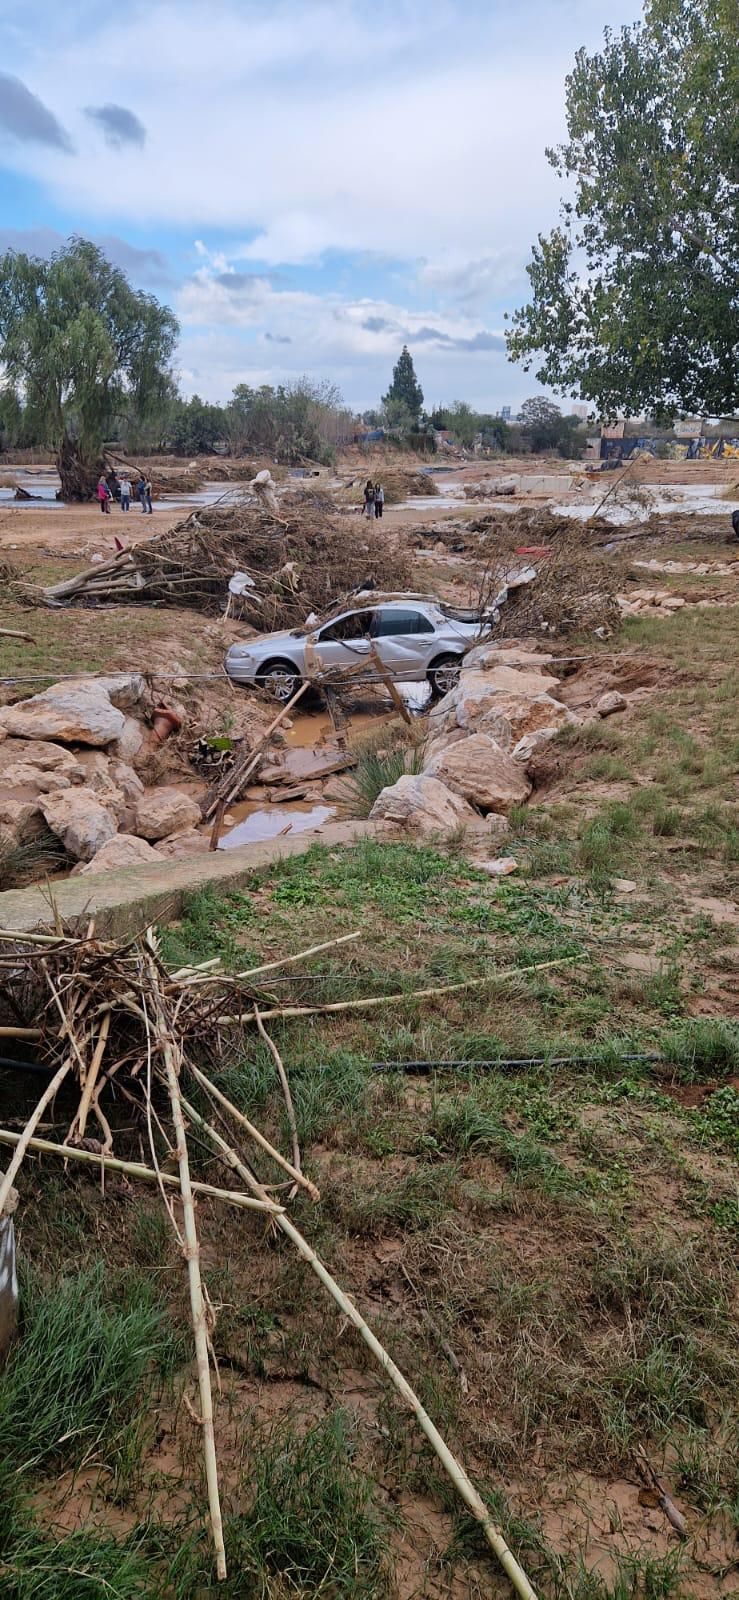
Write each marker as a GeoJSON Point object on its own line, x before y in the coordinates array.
{"type": "Point", "coordinates": [485, 657]}
{"type": "Point", "coordinates": [513, 715]}
{"type": "Point", "coordinates": [22, 775]}
{"type": "Point", "coordinates": [127, 780]}
{"type": "Point", "coordinates": [127, 746]}
{"type": "Point", "coordinates": [75, 714]}
{"type": "Point", "coordinates": [48, 757]}
{"type": "Point", "coordinates": [482, 773]}
{"type": "Point", "coordinates": [531, 744]}
{"type": "Point", "coordinates": [189, 843]}
{"type": "Point", "coordinates": [423, 806]}
{"type": "Point", "coordinates": [614, 700]}
{"type": "Point", "coordinates": [80, 820]}
{"type": "Point", "coordinates": [163, 811]}
{"type": "Point", "coordinates": [124, 850]}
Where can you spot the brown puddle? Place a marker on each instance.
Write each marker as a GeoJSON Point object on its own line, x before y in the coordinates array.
{"type": "Point", "coordinates": [273, 822]}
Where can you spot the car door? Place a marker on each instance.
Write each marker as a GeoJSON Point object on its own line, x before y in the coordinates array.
{"type": "Point", "coordinates": [405, 640]}
{"type": "Point", "coordinates": [344, 642]}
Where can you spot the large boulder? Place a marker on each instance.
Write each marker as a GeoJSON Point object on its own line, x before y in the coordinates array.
{"type": "Point", "coordinates": [421, 805]}
{"type": "Point", "coordinates": [127, 746]}
{"type": "Point", "coordinates": [98, 776]}
{"type": "Point", "coordinates": [24, 775]}
{"type": "Point", "coordinates": [486, 657]}
{"type": "Point", "coordinates": [125, 690]}
{"type": "Point", "coordinates": [189, 843]}
{"type": "Point", "coordinates": [48, 757]}
{"type": "Point", "coordinates": [477, 692]}
{"type": "Point", "coordinates": [482, 773]}
{"type": "Point", "coordinates": [124, 850]}
{"type": "Point", "coordinates": [20, 815]}
{"type": "Point", "coordinates": [80, 820]}
{"type": "Point", "coordinates": [79, 713]}
{"type": "Point", "coordinates": [163, 811]}
{"type": "Point", "coordinates": [513, 715]}
{"type": "Point", "coordinates": [128, 781]}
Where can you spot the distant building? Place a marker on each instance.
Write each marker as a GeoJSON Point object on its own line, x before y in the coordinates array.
{"type": "Point", "coordinates": [505, 412]}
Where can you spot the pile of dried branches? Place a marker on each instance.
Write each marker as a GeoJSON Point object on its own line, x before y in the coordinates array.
{"type": "Point", "coordinates": [113, 1021]}
{"type": "Point", "coordinates": [298, 560]}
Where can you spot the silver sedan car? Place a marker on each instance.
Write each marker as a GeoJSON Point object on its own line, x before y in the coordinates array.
{"type": "Point", "coordinates": [416, 640]}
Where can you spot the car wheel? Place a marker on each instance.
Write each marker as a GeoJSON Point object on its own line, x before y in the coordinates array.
{"type": "Point", "coordinates": [280, 679]}
{"type": "Point", "coordinates": [443, 674]}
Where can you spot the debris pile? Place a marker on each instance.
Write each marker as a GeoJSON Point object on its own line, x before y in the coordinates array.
{"type": "Point", "coordinates": [111, 1022]}
{"type": "Point", "coordinates": [292, 562]}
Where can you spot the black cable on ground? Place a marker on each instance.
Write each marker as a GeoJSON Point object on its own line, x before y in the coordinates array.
{"type": "Point", "coordinates": [512, 1063]}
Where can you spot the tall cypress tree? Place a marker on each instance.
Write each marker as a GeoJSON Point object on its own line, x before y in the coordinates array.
{"type": "Point", "coordinates": [405, 395]}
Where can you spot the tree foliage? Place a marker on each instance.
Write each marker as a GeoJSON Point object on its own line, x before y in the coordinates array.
{"type": "Point", "coordinates": [404, 399]}
{"type": "Point", "coordinates": [296, 421]}
{"type": "Point", "coordinates": [468, 425]}
{"type": "Point", "coordinates": [83, 349]}
{"type": "Point", "coordinates": [545, 428]}
{"type": "Point", "coordinates": [635, 296]}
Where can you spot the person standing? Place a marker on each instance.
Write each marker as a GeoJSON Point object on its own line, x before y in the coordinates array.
{"type": "Point", "coordinates": [147, 496]}
{"type": "Point", "coordinates": [125, 486]}
{"type": "Point", "coordinates": [369, 499]}
{"type": "Point", "coordinates": [379, 499]}
{"type": "Point", "coordinates": [140, 490]}
{"type": "Point", "coordinates": [103, 494]}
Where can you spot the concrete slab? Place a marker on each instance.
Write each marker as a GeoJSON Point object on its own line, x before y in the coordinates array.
{"type": "Point", "coordinates": [127, 900]}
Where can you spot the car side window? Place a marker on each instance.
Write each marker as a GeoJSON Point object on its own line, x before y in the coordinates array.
{"type": "Point", "coordinates": [356, 625]}
{"type": "Point", "coordinates": [389, 622]}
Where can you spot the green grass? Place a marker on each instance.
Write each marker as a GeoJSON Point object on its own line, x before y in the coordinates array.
{"type": "Point", "coordinates": [377, 769]}
{"type": "Point", "coordinates": [72, 1385]}
{"type": "Point", "coordinates": [310, 1529]}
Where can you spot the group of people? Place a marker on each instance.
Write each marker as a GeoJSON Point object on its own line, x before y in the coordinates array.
{"type": "Point", "coordinates": [115, 488]}
{"type": "Point", "coordinates": [374, 499]}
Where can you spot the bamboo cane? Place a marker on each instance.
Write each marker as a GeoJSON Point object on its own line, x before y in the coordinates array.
{"type": "Point", "coordinates": [134, 1169]}
{"type": "Point", "coordinates": [171, 1062]}
{"type": "Point", "coordinates": [25, 1137]}
{"type": "Point", "coordinates": [20, 1033]}
{"type": "Point", "coordinates": [238, 1116]}
{"type": "Point", "coordinates": [452, 1466]}
{"type": "Point", "coordinates": [285, 1085]}
{"type": "Point", "coordinates": [80, 1122]}
{"type": "Point", "coordinates": [389, 999]}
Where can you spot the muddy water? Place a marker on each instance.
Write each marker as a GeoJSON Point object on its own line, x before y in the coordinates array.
{"type": "Point", "coordinates": [272, 822]}
{"type": "Point", "coordinates": [43, 483]}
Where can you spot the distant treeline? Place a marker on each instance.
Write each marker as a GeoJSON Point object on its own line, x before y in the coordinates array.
{"type": "Point", "coordinates": [289, 423]}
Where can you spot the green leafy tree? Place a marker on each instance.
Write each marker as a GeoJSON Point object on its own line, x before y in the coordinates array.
{"type": "Point", "coordinates": [195, 427]}
{"type": "Point", "coordinates": [545, 428]}
{"type": "Point", "coordinates": [404, 399]}
{"type": "Point", "coordinates": [635, 296]}
{"type": "Point", "coordinates": [85, 351]}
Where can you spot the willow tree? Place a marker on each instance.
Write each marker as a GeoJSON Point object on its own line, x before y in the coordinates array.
{"type": "Point", "coordinates": [85, 351]}
{"type": "Point", "coordinates": [635, 295]}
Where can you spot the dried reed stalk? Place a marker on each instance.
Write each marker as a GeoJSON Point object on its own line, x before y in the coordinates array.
{"type": "Point", "coordinates": [285, 1086]}
{"type": "Point", "coordinates": [465, 1488]}
{"type": "Point", "coordinates": [254, 1133]}
{"type": "Point", "coordinates": [390, 999]}
{"type": "Point", "coordinates": [172, 1061]}
{"type": "Point", "coordinates": [135, 1169]}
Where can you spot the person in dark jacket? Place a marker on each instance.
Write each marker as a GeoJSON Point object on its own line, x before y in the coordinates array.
{"type": "Point", "coordinates": [369, 498]}
{"type": "Point", "coordinates": [735, 523]}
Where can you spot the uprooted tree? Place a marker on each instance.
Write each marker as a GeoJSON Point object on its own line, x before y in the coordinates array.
{"type": "Point", "coordinates": [86, 352]}
{"type": "Point", "coordinates": [635, 296]}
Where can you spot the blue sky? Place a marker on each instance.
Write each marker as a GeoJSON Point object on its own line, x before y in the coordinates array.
{"type": "Point", "coordinates": [309, 183]}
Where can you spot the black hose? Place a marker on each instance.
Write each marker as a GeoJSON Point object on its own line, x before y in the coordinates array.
{"type": "Point", "coordinates": [11, 1065]}
{"type": "Point", "coordinates": [510, 1062]}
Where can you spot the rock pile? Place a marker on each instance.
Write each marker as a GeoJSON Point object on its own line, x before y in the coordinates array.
{"type": "Point", "coordinates": [482, 737]}
{"type": "Point", "coordinates": [67, 765]}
